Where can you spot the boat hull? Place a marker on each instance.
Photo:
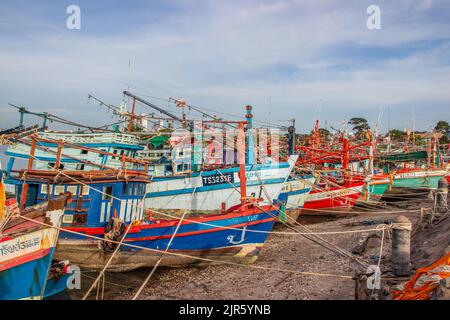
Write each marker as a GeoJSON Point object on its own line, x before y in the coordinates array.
{"type": "Point", "coordinates": [207, 192]}
{"type": "Point", "coordinates": [418, 179]}
{"type": "Point", "coordinates": [293, 196]}
{"type": "Point", "coordinates": [376, 189]}
{"type": "Point", "coordinates": [236, 237]}
{"type": "Point", "coordinates": [24, 273]}
{"type": "Point", "coordinates": [334, 201]}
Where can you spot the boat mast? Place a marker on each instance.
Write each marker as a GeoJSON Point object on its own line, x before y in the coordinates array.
{"type": "Point", "coordinates": [24, 193]}
{"type": "Point", "coordinates": [251, 145]}
{"type": "Point", "coordinates": [241, 157]}
{"type": "Point", "coordinates": [133, 109]}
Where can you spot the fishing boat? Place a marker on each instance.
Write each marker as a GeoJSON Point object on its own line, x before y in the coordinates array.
{"type": "Point", "coordinates": [27, 270]}
{"type": "Point", "coordinates": [173, 182]}
{"type": "Point", "coordinates": [332, 199]}
{"type": "Point", "coordinates": [213, 188]}
{"type": "Point", "coordinates": [414, 169]}
{"type": "Point", "coordinates": [108, 206]}
{"type": "Point", "coordinates": [294, 194]}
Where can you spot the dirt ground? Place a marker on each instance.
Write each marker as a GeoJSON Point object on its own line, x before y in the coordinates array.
{"type": "Point", "coordinates": [293, 252]}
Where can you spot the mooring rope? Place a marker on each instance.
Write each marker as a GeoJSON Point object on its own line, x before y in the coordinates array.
{"type": "Point", "coordinates": [189, 256]}
{"type": "Point", "coordinates": [328, 245]}
{"type": "Point", "coordinates": [107, 263]}
{"type": "Point", "coordinates": [205, 223]}
{"type": "Point", "coordinates": [165, 251]}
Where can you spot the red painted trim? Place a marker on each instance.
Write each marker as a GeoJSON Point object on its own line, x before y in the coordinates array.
{"type": "Point", "coordinates": [6, 238]}
{"type": "Point", "coordinates": [174, 222]}
{"type": "Point", "coordinates": [336, 202]}
{"type": "Point", "coordinates": [191, 233]}
{"type": "Point", "coordinates": [8, 264]}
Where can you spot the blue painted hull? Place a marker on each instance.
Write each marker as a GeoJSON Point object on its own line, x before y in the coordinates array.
{"type": "Point", "coordinates": [27, 280]}
{"type": "Point", "coordinates": [211, 240]}
{"type": "Point", "coordinates": [56, 285]}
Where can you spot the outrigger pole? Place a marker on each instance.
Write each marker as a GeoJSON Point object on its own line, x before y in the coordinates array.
{"type": "Point", "coordinates": [22, 111]}
{"type": "Point", "coordinates": [151, 105]}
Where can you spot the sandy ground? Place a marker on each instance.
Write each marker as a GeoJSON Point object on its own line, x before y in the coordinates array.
{"type": "Point", "coordinates": [292, 252]}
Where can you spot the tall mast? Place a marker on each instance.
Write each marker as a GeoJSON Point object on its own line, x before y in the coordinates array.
{"type": "Point", "coordinates": [241, 158]}
{"type": "Point", "coordinates": [151, 105]}
{"type": "Point", "coordinates": [133, 109]}
{"type": "Point", "coordinates": [251, 145]}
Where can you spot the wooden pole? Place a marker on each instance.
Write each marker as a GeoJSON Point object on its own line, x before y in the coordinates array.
{"type": "Point", "coordinates": [241, 157]}
{"type": "Point", "coordinates": [130, 124]}
{"type": "Point", "coordinates": [23, 195]}
{"type": "Point", "coordinates": [58, 155]}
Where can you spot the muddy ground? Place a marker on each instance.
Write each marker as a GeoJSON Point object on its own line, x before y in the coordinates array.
{"type": "Point", "coordinates": [292, 252]}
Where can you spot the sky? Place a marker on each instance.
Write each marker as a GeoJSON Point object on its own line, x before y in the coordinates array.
{"type": "Point", "coordinates": [306, 59]}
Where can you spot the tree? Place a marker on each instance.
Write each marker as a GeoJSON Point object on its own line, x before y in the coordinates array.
{"type": "Point", "coordinates": [360, 125]}
{"type": "Point", "coordinates": [397, 135]}
{"type": "Point", "coordinates": [324, 133]}
{"type": "Point", "coordinates": [443, 127]}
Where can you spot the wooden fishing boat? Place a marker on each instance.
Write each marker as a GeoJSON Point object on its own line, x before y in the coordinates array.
{"type": "Point", "coordinates": [171, 190]}
{"type": "Point", "coordinates": [375, 185]}
{"type": "Point", "coordinates": [294, 194]}
{"type": "Point", "coordinates": [237, 235]}
{"type": "Point", "coordinates": [418, 178]}
{"type": "Point", "coordinates": [27, 249]}
{"type": "Point", "coordinates": [108, 205]}
{"type": "Point", "coordinates": [332, 200]}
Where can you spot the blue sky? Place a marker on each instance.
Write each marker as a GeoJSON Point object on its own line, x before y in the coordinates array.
{"type": "Point", "coordinates": [289, 59]}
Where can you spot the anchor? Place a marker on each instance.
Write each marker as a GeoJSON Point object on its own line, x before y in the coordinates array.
{"type": "Point", "coordinates": [230, 238]}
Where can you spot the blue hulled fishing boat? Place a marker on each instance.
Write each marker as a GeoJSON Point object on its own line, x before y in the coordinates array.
{"type": "Point", "coordinates": [27, 248]}
{"type": "Point", "coordinates": [108, 207]}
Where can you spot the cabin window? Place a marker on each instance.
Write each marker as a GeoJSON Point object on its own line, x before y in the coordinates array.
{"type": "Point", "coordinates": [186, 167]}
{"type": "Point", "coordinates": [44, 189]}
{"type": "Point", "coordinates": [128, 189]}
{"type": "Point", "coordinates": [59, 190]}
{"type": "Point", "coordinates": [85, 190]}
{"type": "Point", "coordinates": [80, 167]}
{"type": "Point", "coordinates": [72, 190]}
{"type": "Point", "coordinates": [51, 164]}
{"type": "Point", "coordinates": [107, 192]}
{"type": "Point", "coordinates": [84, 152]}
{"type": "Point", "coordinates": [180, 167]}
{"type": "Point", "coordinates": [115, 152]}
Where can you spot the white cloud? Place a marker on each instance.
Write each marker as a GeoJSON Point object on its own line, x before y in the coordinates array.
{"type": "Point", "coordinates": [226, 54]}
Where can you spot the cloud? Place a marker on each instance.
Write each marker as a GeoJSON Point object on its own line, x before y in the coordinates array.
{"type": "Point", "coordinates": [299, 55]}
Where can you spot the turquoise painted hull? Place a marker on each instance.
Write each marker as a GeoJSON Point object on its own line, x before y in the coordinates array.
{"type": "Point", "coordinates": [417, 182]}
{"type": "Point", "coordinates": [378, 189]}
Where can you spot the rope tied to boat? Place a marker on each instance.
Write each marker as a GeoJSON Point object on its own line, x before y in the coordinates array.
{"type": "Point", "coordinates": [189, 256]}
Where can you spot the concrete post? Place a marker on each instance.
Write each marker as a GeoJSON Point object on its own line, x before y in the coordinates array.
{"type": "Point", "coordinates": [401, 246]}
